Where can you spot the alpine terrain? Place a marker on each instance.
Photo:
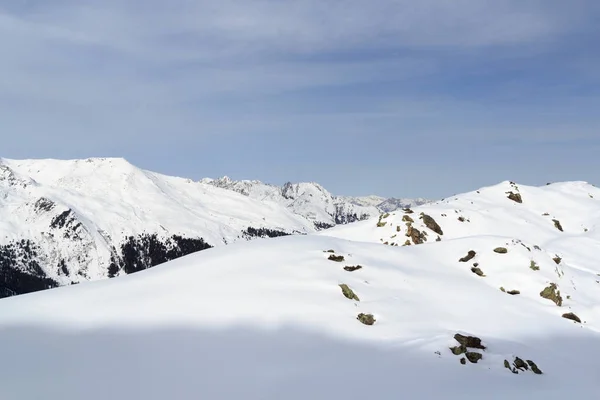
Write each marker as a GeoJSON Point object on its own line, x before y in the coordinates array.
{"type": "Point", "coordinates": [65, 222]}
{"type": "Point", "coordinates": [493, 294]}
{"type": "Point", "coordinates": [314, 202]}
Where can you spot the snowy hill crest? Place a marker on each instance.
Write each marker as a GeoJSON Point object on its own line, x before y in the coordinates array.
{"type": "Point", "coordinates": [484, 295]}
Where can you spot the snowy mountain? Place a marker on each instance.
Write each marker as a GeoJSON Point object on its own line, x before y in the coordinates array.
{"type": "Point", "coordinates": [65, 222]}
{"type": "Point", "coordinates": [314, 202]}
{"type": "Point", "coordinates": [493, 294]}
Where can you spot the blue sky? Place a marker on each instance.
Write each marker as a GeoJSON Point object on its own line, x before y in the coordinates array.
{"type": "Point", "coordinates": [397, 98]}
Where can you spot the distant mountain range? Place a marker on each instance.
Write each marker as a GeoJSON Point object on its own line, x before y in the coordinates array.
{"type": "Point", "coordinates": [314, 202]}
{"type": "Point", "coordinates": [65, 222]}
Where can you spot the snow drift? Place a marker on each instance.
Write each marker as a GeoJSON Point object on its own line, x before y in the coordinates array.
{"type": "Point", "coordinates": [281, 318]}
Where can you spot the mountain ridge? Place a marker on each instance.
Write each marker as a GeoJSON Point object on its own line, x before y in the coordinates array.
{"type": "Point", "coordinates": [70, 221]}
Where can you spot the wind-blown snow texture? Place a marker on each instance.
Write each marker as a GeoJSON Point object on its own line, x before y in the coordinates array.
{"type": "Point", "coordinates": [268, 320]}
{"type": "Point", "coordinates": [64, 222]}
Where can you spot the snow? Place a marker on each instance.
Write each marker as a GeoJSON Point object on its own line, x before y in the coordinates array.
{"type": "Point", "coordinates": [114, 200]}
{"type": "Point", "coordinates": [267, 320]}
{"type": "Point", "coordinates": [313, 201]}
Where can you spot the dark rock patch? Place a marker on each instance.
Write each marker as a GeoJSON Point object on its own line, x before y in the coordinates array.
{"type": "Point", "coordinates": [557, 260]}
{"type": "Point", "coordinates": [473, 357]}
{"type": "Point", "coordinates": [366, 319]}
{"type": "Point", "coordinates": [501, 250]}
{"type": "Point", "coordinates": [353, 268]}
{"type": "Point", "coordinates": [519, 365]}
{"type": "Point", "coordinates": [416, 235]}
{"type": "Point", "coordinates": [534, 266]}
{"type": "Point", "coordinates": [534, 367]}
{"type": "Point", "coordinates": [432, 224]}
{"type": "Point", "coordinates": [477, 271]}
{"type": "Point", "coordinates": [348, 293]}
{"type": "Point", "coordinates": [572, 317]}
{"type": "Point", "coordinates": [552, 293]}
{"type": "Point", "coordinates": [458, 350]}
{"type": "Point", "coordinates": [471, 255]}
{"type": "Point", "coordinates": [469, 341]}
{"type": "Point", "coordinates": [44, 205]}
{"type": "Point", "coordinates": [516, 197]}
{"type": "Point", "coordinates": [557, 225]}
{"type": "Point", "coordinates": [335, 258]}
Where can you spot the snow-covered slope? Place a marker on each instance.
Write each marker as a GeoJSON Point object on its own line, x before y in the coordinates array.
{"type": "Point", "coordinates": [314, 202]}
{"type": "Point", "coordinates": [67, 222]}
{"type": "Point", "coordinates": [268, 319]}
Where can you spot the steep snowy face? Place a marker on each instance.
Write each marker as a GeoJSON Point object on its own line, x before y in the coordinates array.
{"type": "Point", "coordinates": [482, 314]}
{"type": "Point", "coordinates": [314, 202]}
{"type": "Point", "coordinates": [65, 222]}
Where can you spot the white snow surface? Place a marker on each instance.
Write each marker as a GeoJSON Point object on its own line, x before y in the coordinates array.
{"type": "Point", "coordinates": [267, 320]}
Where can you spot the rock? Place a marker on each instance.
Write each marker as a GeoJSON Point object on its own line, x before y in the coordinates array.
{"type": "Point", "coordinates": [558, 225]}
{"type": "Point", "coordinates": [458, 350]}
{"type": "Point", "coordinates": [552, 293]}
{"type": "Point", "coordinates": [431, 224]}
{"type": "Point", "coordinates": [501, 250]}
{"type": "Point", "coordinates": [516, 197]}
{"type": "Point", "coordinates": [335, 258]}
{"type": "Point", "coordinates": [352, 269]}
{"type": "Point", "coordinates": [469, 341]}
{"type": "Point", "coordinates": [408, 210]}
{"type": "Point", "coordinates": [557, 260]}
{"type": "Point", "coordinates": [381, 224]}
{"type": "Point", "coordinates": [520, 364]}
{"type": "Point", "coordinates": [534, 266]}
{"type": "Point", "coordinates": [407, 218]}
{"type": "Point", "coordinates": [477, 271]}
{"type": "Point", "coordinates": [329, 251]}
{"type": "Point", "coordinates": [572, 317]}
{"type": "Point", "coordinates": [463, 361]}
{"type": "Point", "coordinates": [348, 293]}
{"type": "Point", "coordinates": [366, 319]}
{"type": "Point", "coordinates": [534, 368]}
{"type": "Point", "coordinates": [398, 228]}
{"type": "Point", "coordinates": [473, 357]}
{"type": "Point", "coordinates": [416, 235]}
{"type": "Point", "coordinates": [461, 219]}
{"type": "Point", "coordinates": [471, 255]}
{"type": "Point", "coordinates": [438, 239]}
{"type": "Point", "coordinates": [513, 292]}
{"type": "Point", "coordinates": [407, 243]}
{"type": "Point", "coordinates": [507, 364]}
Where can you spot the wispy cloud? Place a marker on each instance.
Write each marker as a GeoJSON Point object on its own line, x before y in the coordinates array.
{"type": "Point", "coordinates": [137, 78]}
